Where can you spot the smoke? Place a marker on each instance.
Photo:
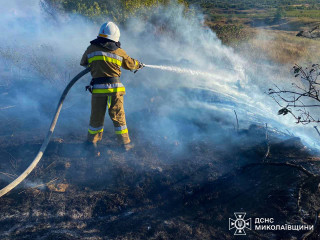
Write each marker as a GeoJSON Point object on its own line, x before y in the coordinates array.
{"type": "Point", "coordinates": [190, 78]}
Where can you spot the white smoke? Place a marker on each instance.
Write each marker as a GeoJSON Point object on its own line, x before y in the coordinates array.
{"type": "Point", "coordinates": [189, 71]}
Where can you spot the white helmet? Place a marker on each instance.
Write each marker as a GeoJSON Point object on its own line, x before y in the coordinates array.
{"type": "Point", "coordinates": [110, 31]}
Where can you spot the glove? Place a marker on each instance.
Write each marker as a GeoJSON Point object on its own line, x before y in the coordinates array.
{"type": "Point", "coordinates": [140, 66]}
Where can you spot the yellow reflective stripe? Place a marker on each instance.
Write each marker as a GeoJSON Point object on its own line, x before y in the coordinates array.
{"type": "Point", "coordinates": [109, 101]}
{"type": "Point", "coordinates": [95, 132]}
{"type": "Point", "coordinates": [104, 58]}
{"type": "Point", "coordinates": [103, 35]}
{"type": "Point", "coordinates": [122, 131]}
{"type": "Point", "coordinates": [109, 90]}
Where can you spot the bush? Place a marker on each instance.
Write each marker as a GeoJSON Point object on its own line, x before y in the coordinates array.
{"type": "Point", "coordinates": [118, 10]}
{"type": "Point", "coordinates": [231, 34]}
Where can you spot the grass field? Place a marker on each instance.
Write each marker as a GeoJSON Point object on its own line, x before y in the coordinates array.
{"type": "Point", "coordinates": [284, 47]}
{"type": "Point", "coordinates": [265, 35]}
{"type": "Point", "coordinates": [310, 13]}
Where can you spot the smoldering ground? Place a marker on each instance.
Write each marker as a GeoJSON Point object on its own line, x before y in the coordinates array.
{"type": "Point", "coordinates": [183, 124]}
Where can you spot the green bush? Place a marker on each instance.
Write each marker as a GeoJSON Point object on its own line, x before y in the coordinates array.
{"type": "Point", "coordinates": [119, 11]}
{"type": "Point", "coordinates": [231, 34]}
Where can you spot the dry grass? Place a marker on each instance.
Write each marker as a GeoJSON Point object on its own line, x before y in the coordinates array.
{"type": "Point", "coordinates": [284, 47]}
{"type": "Point", "coordinates": [276, 42]}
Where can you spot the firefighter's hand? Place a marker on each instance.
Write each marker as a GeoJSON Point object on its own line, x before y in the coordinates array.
{"type": "Point", "coordinates": [141, 65]}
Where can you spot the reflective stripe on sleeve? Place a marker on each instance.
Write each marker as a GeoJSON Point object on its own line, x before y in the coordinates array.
{"type": "Point", "coordinates": [107, 54]}
{"type": "Point", "coordinates": [106, 59]}
{"type": "Point", "coordinates": [121, 130]}
{"type": "Point", "coordinates": [104, 56]}
{"type": "Point", "coordinates": [93, 130]}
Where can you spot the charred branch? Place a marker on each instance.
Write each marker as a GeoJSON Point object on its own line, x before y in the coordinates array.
{"type": "Point", "coordinates": [299, 100]}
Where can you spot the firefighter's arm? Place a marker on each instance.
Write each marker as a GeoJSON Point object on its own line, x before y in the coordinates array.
{"type": "Point", "coordinates": [84, 60]}
{"type": "Point", "coordinates": [130, 63]}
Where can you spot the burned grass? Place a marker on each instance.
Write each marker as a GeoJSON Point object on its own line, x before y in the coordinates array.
{"type": "Point", "coordinates": [152, 193]}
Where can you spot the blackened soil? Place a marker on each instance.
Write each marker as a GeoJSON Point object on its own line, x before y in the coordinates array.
{"type": "Point", "coordinates": [156, 192]}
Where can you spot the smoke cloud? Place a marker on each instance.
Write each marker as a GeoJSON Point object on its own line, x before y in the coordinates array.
{"type": "Point", "coordinates": [190, 79]}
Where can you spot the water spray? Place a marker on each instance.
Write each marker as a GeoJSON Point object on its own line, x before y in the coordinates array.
{"type": "Point", "coordinates": [181, 70]}
{"type": "Point", "coordinates": [218, 78]}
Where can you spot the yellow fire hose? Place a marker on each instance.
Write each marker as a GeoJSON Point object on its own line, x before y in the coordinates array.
{"type": "Point", "coordinates": [46, 141]}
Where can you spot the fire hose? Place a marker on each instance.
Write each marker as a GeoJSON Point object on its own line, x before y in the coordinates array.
{"type": "Point", "coordinates": [46, 141]}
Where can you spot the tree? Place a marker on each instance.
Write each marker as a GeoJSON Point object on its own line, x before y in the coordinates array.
{"type": "Point", "coordinates": [302, 97]}
{"type": "Point", "coordinates": [279, 14]}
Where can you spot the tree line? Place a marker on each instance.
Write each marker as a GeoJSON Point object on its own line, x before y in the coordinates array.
{"type": "Point", "coordinates": [261, 4]}
{"type": "Point", "coordinates": [119, 10]}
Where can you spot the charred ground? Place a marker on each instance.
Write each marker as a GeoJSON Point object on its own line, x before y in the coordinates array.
{"type": "Point", "coordinates": [158, 192]}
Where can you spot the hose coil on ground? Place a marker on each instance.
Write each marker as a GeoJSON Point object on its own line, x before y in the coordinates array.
{"type": "Point", "coordinates": [46, 141]}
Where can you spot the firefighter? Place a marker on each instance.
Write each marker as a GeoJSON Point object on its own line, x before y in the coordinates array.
{"type": "Point", "coordinates": [105, 57]}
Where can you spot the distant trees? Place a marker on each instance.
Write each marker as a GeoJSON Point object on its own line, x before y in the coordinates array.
{"type": "Point", "coordinates": [119, 10]}
{"type": "Point", "coordinates": [261, 4]}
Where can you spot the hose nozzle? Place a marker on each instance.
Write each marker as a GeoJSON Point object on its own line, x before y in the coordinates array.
{"type": "Point", "coordinates": [141, 65]}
